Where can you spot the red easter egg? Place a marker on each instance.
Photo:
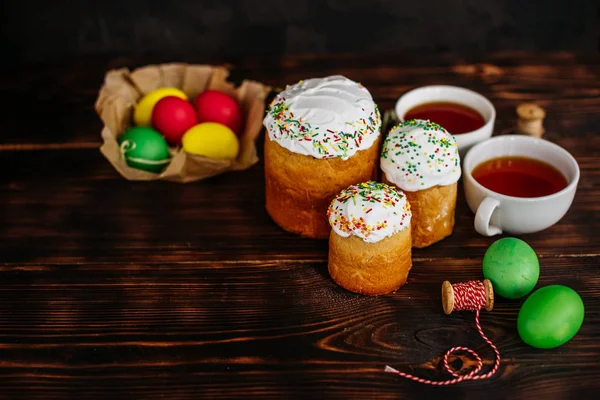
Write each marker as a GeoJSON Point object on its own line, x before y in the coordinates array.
{"type": "Point", "coordinates": [216, 106]}
{"type": "Point", "coordinates": [172, 117]}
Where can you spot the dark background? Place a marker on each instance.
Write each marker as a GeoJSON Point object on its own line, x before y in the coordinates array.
{"type": "Point", "coordinates": [42, 30]}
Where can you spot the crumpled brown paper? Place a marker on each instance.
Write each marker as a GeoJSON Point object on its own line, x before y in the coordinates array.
{"type": "Point", "coordinates": [122, 89]}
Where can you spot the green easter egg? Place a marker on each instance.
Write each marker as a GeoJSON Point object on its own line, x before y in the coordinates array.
{"type": "Point", "coordinates": [512, 266]}
{"type": "Point", "coordinates": [550, 317]}
{"type": "Point", "coordinates": [144, 148]}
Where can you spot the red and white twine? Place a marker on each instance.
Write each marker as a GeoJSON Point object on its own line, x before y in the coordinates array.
{"type": "Point", "coordinates": [469, 296]}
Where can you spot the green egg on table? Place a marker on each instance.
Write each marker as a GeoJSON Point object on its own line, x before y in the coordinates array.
{"type": "Point", "coordinates": [512, 266]}
{"type": "Point", "coordinates": [144, 148]}
{"type": "Point", "coordinates": [550, 317]}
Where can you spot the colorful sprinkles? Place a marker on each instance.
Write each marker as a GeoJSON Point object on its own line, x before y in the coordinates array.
{"type": "Point", "coordinates": [369, 210]}
{"type": "Point", "coordinates": [326, 143]}
{"type": "Point", "coordinates": [416, 150]}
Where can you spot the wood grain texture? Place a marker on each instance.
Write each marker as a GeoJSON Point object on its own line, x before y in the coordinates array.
{"type": "Point", "coordinates": [272, 329]}
{"type": "Point", "coordinates": [71, 206]}
{"type": "Point", "coordinates": [566, 84]}
{"type": "Point", "coordinates": [111, 288]}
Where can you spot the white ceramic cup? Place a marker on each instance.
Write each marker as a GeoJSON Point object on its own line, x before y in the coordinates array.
{"type": "Point", "coordinates": [496, 213]}
{"type": "Point", "coordinates": [454, 94]}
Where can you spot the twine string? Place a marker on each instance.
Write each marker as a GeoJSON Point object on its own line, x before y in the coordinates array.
{"type": "Point", "coordinates": [127, 146]}
{"type": "Point", "coordinates": [468, 296]}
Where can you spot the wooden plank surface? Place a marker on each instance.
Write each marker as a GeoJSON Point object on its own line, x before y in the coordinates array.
{"type": "Point", "coordinates": [271, 329]}
{"type": "Point", "coordinates": [71, 206]}
{"type": "Point", "coordinates": [163, 290]}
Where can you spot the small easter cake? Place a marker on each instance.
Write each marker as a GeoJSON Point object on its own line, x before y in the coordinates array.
{"type": "Point", "coordinates": [323, 134]}
{"type": "Point", "coordinates": [370, 241]}
{"type": "Point", "coordinates": [421, 158]}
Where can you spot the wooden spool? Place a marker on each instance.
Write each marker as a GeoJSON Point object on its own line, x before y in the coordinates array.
{"type": "Point", "coordinates": [531, 119]}
{"type": "Point", "coordinates": [448, 296]}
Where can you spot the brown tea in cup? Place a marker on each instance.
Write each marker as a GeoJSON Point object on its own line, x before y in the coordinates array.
{"type": "Point", "coordinates": [519, 177]}
{"type": "Point", "coordinates": [455, 118]}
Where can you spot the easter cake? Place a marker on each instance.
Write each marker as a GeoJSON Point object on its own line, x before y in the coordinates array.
{"type": "Point", "coordinates": [370, 240]}
{"type": "Point", "coordinates": [323, 134]}
{"type": "Point", "coordinates": [421, 158]}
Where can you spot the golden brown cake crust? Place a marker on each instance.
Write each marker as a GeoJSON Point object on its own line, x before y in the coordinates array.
{"type": "Point", "coordinates": [300, 188]}
{"type": "Point", "coordinates": [433, 212]}
{"type": "Point", "coordinates": [370, 268]}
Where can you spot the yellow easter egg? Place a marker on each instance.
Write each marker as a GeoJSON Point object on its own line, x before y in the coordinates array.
{"type": "Point", "coordinates": [142, 115]}
{"type": "Point", "coordinates": [211, 139]}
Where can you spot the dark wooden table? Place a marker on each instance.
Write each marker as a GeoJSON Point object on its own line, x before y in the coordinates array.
{"type": "Point", "coordinates": [111, 288]}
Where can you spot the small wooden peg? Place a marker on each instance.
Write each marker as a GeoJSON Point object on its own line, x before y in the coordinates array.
{"type": "Point", "coordinates": [531, 119]}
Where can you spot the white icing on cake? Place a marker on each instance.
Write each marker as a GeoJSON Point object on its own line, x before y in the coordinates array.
{"type": "Point", "coordinates": [420, 154]}
{"type": "Point", "coordinates": [371, 211]}
{"type": "Point", "coordinates": [324, 118]}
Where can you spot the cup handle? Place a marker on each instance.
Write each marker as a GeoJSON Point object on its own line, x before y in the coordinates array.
{"type": "Point", "coordinates": [484, 215]}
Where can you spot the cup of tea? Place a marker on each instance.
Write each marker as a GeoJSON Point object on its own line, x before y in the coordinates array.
{"type": "Point", "coordinates": [464, 113]}
{"type": "Point", "coordinates": [518, 184]}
